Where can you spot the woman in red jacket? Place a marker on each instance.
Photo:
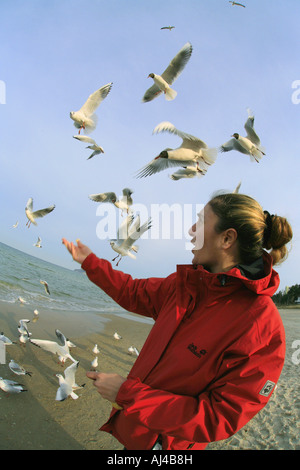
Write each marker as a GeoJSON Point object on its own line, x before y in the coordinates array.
{"type": "Point", "coordinates": [216, 350]}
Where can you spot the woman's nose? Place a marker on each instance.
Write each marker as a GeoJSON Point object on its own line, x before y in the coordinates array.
{"type": "Point", "coordinates": [192, 230]}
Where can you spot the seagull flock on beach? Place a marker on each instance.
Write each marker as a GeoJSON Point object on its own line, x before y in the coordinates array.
{"type": "Point", "coordinates": [60, 348]}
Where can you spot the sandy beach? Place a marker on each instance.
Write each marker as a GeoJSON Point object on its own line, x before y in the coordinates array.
{"type": "Point", "coordinates": [33, 420]}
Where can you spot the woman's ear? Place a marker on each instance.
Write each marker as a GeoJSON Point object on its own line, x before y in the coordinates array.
{"type": "Point", "coordinates": [229, 238]}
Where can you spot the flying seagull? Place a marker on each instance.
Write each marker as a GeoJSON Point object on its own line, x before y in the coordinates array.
{"type": "Point", "coordinates": [86, 118]}
{"type": "Point", "coordinates": [122, 203]}
{"type": "Point", "coordinates": [67, 384]}
{"type": "Point", "coordinates": [188, 172]}
{"type": "Point", "coordinates": [38, 243]}
{"type": "Point", "coordinates": [45, 283]}
{"type": "Point", "coordinates": [16, 224]}
{"type": "Point", "coordinates": [97, 149]}
{"type": "Point", "coordinates": [61, 348]}
{"type": "Point", "coordinates": [236, 3]}
{"type": "Point", "coordinates": [31, 216]}
{"type": "Point", "coordinates": [191, 151]}
{"type": "Point", "coordinates": [168, 27]}
{"type": "Point", "coordinates": [249, 145]}
{"type": "Point", "coordinates": [129, 231]}
{"type": "Point", "coordinates": [162, 82]}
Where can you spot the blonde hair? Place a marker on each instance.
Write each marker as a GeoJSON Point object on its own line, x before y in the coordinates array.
{"type": "Point", "coordinates": [256, 229]}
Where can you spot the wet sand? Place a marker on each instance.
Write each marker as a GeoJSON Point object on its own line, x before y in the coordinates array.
{"type": "Point", "coordinates": [34, 420]}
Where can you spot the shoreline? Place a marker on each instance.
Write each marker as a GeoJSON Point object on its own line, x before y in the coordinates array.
{"type": "Point", "coordinates": [34, 420]}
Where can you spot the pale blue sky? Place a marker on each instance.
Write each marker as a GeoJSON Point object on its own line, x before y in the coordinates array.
{"type": "Point", "coordinates": [53, 54]}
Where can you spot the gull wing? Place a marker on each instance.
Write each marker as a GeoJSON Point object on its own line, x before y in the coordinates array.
{"type": "Point", "coordinates": [61, 338]}
{"type": "Point", "coordinates": [159, 164]}
{"type": "Point", "coordinates": [178, 63]}
{"type": "Point", "coordinates": [104, 197]}
{"type": "Point", "coordinates": [127, 244]}
{"type": "Point", "coordinates": [43, 212]}
{"type": "Point", "coordinates": [123, 229]}
{"type": "Point", "coordinates": [84, 138]}
{"type": "Point", "coordinates": [50, 346]}
{"type": "Point", "coordinates": [95, 99]}
{"type": "Point", "coordinates": [70, 373]}
{"type": "Point", "coordinates": [233, 144]}
{"type": "Point", "coordinates": [188, 141]}
{"type": "Point", "coordinates": [29, 205]}
{"type": "Point", "coordinates": [251, 134]}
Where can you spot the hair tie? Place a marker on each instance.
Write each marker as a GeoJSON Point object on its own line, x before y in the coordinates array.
{"type": "Point", "coordinates": [268, 229]}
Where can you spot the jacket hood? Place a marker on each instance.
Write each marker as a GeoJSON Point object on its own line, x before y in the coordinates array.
{"type": "Point", "coordinates": [259, 276]}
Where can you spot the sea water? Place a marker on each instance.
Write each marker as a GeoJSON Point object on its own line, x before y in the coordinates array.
{"type": "Point", "coordinates": [20, 276]}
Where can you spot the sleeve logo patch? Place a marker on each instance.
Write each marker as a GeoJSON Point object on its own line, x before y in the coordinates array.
{"type": "Point", "coordinates": [267, 388]}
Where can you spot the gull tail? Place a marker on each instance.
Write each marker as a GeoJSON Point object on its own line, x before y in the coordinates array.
{"type": "Point", "coordinates": [170, 94]}
{"type": "Point", "coordinates": [209, 155]}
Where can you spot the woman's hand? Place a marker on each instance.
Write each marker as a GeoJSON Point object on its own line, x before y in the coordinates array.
{"type": "Point", "coordinates": [79, 252]}
{"type": "Point", "coordinates": [107, 384]}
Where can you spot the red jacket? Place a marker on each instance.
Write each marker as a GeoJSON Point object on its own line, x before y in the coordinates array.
{"type": "Point", "coordinates": [210, 362]}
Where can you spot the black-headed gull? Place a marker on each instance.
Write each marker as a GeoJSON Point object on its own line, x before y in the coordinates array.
{"type": "Point", "coordinates": [38, 243]}
{"type": "Point", "coordinates": [6, 340]}
{"type": "Point", "coordinates": [9, 386]}
{"type": "Point", "coordinates": [94, 363]}
{"type": "Point", "coordinates": [31, 216]}
{"type": "Point", "coordinates": [62, 349]}
{"type": "Point", "coordinates": [191, 151]}
{"type": "Point", "coordinates": [168, 27]}
{"type": "Point", "coordinates": [249, 145]}
{"type": "Point", "coordinates": [191, 171]}
{"type": "Point", "coordinates": [236, 3]}
{"type": "Point", "coordinates": [22, 327]}
{"type": "Point", "coordinates": [97, 149]}
{"type": "Point", "coordinates": [162, 82]}
{"type": "Point", "coordinates": [85, 117]}
{"type": "Point", "coordinates": [122, 203]}
{"type": "Point", "coordinates": [17, 369]}
{"type": "Point", "coordinates": [133, 350]}
{"type": "Point", "coordinates": [46, 286]}
{"type": "Point", "coordinates": [129, 231]}
{"type": "Point", "coordinates": [67, 383]}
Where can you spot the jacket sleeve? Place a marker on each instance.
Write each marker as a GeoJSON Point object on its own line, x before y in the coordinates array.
{"type": "Point", "coordinates": [227, 404]}
{"type": "Point", "coordinates": [143, 296]}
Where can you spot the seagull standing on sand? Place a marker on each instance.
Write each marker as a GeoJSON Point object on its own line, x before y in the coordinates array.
{"type": "Point", "coordinates": [9, 386]}
{"type": "Point", "coordinates": [117, 336]}
{"type": "Point", "coordinates": [86, 118]}
{"type": "Point", "coordinates": [94, 363]}
{"type": "Point", "coordinates": [17, 369]}
{"type": "Point", "coordinates": [128, 233]}
{"type": "Point", "coordinates": [191, 151]}
{"type": "Point", "coordinates": [96, 349]}
{"type": "Point", "coordinates": [31, 216]}
{"type": "Point", "coordinates": [133, 350]}
{"type": "Point", "coordinates": [62, 349]}
{"type": "Point", "coordinates": [249, 145]}
{"type": "Point", "coordinates": [162, 82]}
{"type": "Point", "coordinates": [6, 340]}
{"type": "Point", "coordinates": [97, 149]}
{"type": "Point", "coordinates": [67, 384]}
{"type": "Point", "coordinates": [122, 203]}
